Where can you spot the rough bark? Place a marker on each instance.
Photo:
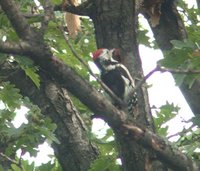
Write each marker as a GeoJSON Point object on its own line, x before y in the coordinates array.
{"type": "Point", "coordinates": [116, 27]}
{"type": "Point", "coordinates": [75, 151]}
{"type": "Point", "coordinates": [198, 3]}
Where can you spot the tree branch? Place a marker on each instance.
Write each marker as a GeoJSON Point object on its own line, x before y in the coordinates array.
{"type": "Point", "coordinates": [177, 71]}
{"type": "Point", "coordinates": [16, 18]}
{"type": "Point", "coordinates": [164, 69]}
{"type": "Point", "coordinates": [198, 3]}
{"type": "Point", "coordinates": [84, 8]}
{"type": "Point", "coordinates": [20, 48]}
{"type": "Point", "coordinates": [139, 84]}
{"type": "Point", "coordinates": [12, 161]}
{"type": "Point", "coordinates": [165, 152]}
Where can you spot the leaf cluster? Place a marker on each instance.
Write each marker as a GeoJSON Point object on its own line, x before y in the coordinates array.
{"type": "Point", "coordinates": [108, 158]}
{"type": "Point", "coordinates": [28, 135]}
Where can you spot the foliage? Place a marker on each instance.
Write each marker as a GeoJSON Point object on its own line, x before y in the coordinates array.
{"type": "Point", "coordinates": [108, 153]}
{"type": "Point", "coordinates": [29, 68]}
{"type": "Point", "coordinates": [184, 56]}
{"type": "Point", "coordinates": [189, 143]}
{"type": "Point", "coordinates": [144, 35]}
{"type": "Point", "coordinates": [184, 59]}
{"type": "Point", "coordinates": [25, 165]}
{"type": "Point", "coordinates": [164, 114]}
{"type": "Point", "coordinates": [27, 136]}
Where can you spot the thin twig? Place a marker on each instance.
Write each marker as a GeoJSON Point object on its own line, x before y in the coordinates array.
{"type": "Point", "coordinates": [177, 71]}
{"type": "Point", "coordinates": [184, 131]}
{"type": "Point", "coordinates": [145, 78]}
{"type": "Point", "coordinates": [163, 69]}
{"type": "Point", "coordinates": [12, 161]}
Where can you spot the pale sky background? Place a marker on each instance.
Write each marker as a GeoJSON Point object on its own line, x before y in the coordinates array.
{"type": "Point", "coordinates": [163, 90]}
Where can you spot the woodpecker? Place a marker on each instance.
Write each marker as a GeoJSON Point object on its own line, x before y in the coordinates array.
{"type": "Point", "coordinates": [116, 77]}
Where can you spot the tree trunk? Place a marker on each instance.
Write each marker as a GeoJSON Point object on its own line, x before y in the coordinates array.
{"type": "Point", "coordinates": [115, 25]}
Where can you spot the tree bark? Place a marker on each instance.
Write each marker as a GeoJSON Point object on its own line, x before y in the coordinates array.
{"type": "Point", "coordinates": [198, 3]}
{"type": "Point", "coordinates": [115, 25]}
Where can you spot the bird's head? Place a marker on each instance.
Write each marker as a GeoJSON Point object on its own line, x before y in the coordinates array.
{"type": "Point", "coordinates": [100, 53]}
{"type": "Point", "coordinates": [103, 58]}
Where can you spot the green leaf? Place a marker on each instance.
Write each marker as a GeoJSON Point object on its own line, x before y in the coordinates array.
{"type": "Point", "coordinates": [16, 132]}
{"type": "Point", "coordinates": [143, 38]}
{"type": "Point", "coordinates": [164, 114]}
{"type": "Point", "coordinates": [1, 168]}
{"type": "Point", "coordinates": [175, 58]}
{"type": "Point", "coordinates": [49, 135]}
{"type": "Point", "coordinates": [104, 163]}
{"type": "Point", "coordinates": [3, 57]}
{"type": "Point", "coordinates": [179, 79]}
{"type": "Point", "coordinates": [10, 96]}
{"type": "Point", "coordinates": [163, 131]}
{"type": "Point", "coordinates": [27, 166]}
{"type": "Point", "coordinates": [30, 72]}
{"type": "Point", "coordinates": [56, 1]}
{"type": "Point", "coordinates": [45, 167]}
{"type": "Point", "coordinates": [182, 44]}
{"type": "Point", "coordinates": [15, 167]}
{"type": "Point", "coordinates": [28, 66]}
{"type": "Point", "coordinates": [7, 115]}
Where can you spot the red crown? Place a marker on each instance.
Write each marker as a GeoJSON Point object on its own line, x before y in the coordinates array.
{"type": "Point", "coordinates": [97, 53]}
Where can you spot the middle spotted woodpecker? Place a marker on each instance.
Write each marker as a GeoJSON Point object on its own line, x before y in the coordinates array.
{"type": "Point", "coordinates": [116, 77]}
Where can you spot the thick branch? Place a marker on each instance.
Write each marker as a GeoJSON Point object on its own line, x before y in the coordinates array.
{"type": "Point", "coordinates": [20, 48]}
{"type": "Point", "coordinates": [198, 3]}
{"type": "Point", "coordinates": [170, 26]}
{"type": "Point", "coordinates": [164, 151]}
{"type": "Point", "coordinates": [83, 9]}
{"type": "Point", "coordinates": [16, 18]}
